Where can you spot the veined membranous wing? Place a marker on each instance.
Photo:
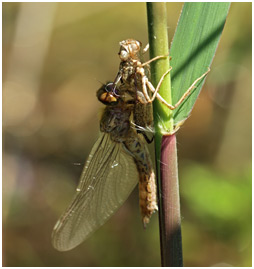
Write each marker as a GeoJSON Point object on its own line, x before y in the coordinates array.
{"type": "Point", "coordinates": [108, 177]}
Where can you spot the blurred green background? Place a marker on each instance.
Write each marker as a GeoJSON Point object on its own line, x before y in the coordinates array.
{"type": "Point", "coordinates": [55, 56]}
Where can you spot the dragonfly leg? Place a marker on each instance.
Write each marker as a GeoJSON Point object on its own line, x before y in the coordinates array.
{"type": "Point", "coordinates": [148, 140]}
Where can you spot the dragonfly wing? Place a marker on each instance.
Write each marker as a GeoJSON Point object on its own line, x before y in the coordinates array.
{"type": "Point", "coordinates": [108, 177]}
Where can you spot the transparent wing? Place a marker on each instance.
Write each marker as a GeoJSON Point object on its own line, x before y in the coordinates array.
{"type": "Point", "coordinates": [108, 178]}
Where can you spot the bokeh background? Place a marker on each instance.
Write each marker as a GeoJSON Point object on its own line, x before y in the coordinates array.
{"type": "Point", "coordinates": [55, 56]}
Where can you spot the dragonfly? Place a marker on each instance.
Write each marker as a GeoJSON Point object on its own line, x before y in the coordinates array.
{"type": "Point", "coordinates": [118, 161]}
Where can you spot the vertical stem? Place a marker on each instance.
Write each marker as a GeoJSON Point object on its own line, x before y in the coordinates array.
{"type": "Point", "coordinates": [158, 41]}
{"type": "Point", "coordinates": [170, 205]}
{"type": "Point", "coordinates": [166, 155]}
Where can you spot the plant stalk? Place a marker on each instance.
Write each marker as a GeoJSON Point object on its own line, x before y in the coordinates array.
{"type": "Point", "coordinates": [165, 145]}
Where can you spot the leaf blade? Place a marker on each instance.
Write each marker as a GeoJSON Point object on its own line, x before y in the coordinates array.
{"type": "Point", "coordinates": [193, 48]}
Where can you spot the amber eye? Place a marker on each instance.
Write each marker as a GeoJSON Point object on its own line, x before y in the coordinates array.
{"type": "Point", "coordinates": [109, 87]}
{"type": "Point", "coordinates": [106, 95]}
{"type": "Point", "coordinates": [107, 98]}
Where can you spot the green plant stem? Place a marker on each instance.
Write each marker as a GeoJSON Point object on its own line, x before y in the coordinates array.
{"type": "Point", "coordinates": [158, 41]}
{"type": "Point", "coordinates": [192, 50]}
{"type": "Point", "coordinates": [166, 155]}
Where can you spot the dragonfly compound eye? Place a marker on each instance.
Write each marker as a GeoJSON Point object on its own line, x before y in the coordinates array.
{"type": "Point", "coordinates": [107, 98]}
{"type": "Point", "coordinates": [106, 95]}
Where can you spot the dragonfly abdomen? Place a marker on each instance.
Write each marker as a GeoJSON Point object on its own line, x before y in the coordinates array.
{"type": "Point", "coordinates": [147, 186]}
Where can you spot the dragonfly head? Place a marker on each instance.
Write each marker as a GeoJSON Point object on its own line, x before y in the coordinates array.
{"type": "Point", "coordinates": [108, 94]}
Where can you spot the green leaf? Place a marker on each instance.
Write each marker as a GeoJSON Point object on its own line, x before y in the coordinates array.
{"type": "Point", "coordinates": [195, 41]}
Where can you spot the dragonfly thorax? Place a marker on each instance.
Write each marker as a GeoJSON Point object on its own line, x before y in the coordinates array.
{"type": "Point", "coordinates": [115, 120]}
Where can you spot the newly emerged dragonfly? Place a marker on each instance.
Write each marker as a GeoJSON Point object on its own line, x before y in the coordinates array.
{"type": "Point", "coordinates": [118, 160]}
